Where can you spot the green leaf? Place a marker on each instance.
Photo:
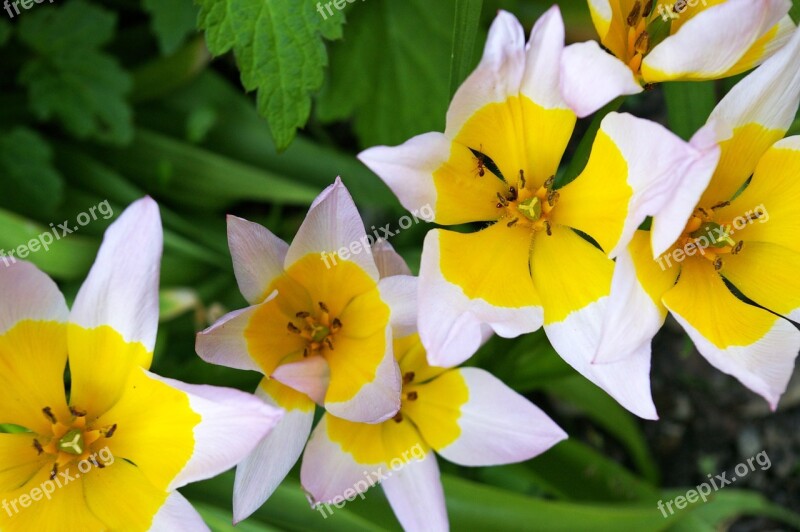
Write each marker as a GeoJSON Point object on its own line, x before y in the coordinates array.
{"type": "Point", "coordinates": [221, 521]}
{"type": "Point", "coordinates": [70, 78]}
{"type": "Point", "coordinates": [795, 12]}
{"type": "Point", "coordinates": [689, 104]}
{"type": "Point", "coordinates": [391, 71]}
{"type": "Point", "coordinates": [727, 505]}
{"type": "Point", "coordinates": [30, 184]}
{"type": "Point", "coordinates": [172, 21]}
{"type": "Point", "coordinates": [465, 31]}
{"type": "Point", "coordinates": [280, 52]}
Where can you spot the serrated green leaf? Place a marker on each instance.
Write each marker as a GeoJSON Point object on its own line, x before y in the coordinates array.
{"type": "Point", "coordinates": [29, 183]}
{"type": "Point", "coordinates": [172, 21]}
{"type": "Point", "coordinates": [70, 79]}
{"type": "Point", "coordinates": [391, 71]}
{"type": "Point", "coordinates": [279, 49]}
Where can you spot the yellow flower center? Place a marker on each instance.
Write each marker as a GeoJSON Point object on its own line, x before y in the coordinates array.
{"type": "Point", "coordinates": [318, 329]}
{"type": "Point", "coordinates": [71, 440]}
{"type": "Point", "coordinates": [525, 207]}
{"type": "Point", "coordinates": [712, 237]}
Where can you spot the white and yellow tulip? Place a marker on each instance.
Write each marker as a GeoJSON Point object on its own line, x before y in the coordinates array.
{"type": "Point", "coordinates": [154, 434]}
{"type": "Point", "coordinates": [752, 202]}
{"type": "Point", "coordinates": [544, 256]}
{"type": "Point", "coordinates": [653, 41]}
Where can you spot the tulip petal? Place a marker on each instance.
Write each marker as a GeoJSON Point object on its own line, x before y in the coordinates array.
{"type": "Point", "coordinates": [115, 316]}
{"type": "Point", "coordinates": [755, 114]}
{"type": "Point", "coordinates": [416, 496]}
{"type": "Point", "coordinates": [178, 515]}
{"type": "Point", "coordinates": [634, 312]}
{"type": "Point", "coordinates": [400, 293]}
{"type": "Point", "coordinates": [497, 77]}
{"type": "Point", "coordinates": [701, 50]}
{"type": "Point", "coordinates": [495, 425]}
{"type": "Point", "coordinates": [591, 78]}
{"type": "Point", "coordinates": [122, 287]}
{"type": "Point", "coordinates": [471, 279]}
{"type": "Point", "coordinates": [646, 163]}
{"type": "Point", "coordinates": [260, 474]}
{"type": "Point", "coordinates": [389, 261]}
{"type": "Point", "coordinates": [310, 376]}
{"type": "Point", "coordinates": [18, 464]}
{"type": "Point", "coordinates": [573, 316]}
{"type": "Point", "coordinates": [751, 344]}
{"type": "Point", "coordinates": [225, 343]}
{"type": "Point", "coordinates": [543, 52]}
{"type": "Point", "coordinates": [32, 320]}
{"type": "Point", "coordinates": [258, 257]}
{"type": "Point", "coordinates": [332, 223]}
{"type": "Point", "coordinates": [365, 381]}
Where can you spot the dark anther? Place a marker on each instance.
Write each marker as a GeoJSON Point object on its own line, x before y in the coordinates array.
{"type": "Point", "coordinates": [48, 413]}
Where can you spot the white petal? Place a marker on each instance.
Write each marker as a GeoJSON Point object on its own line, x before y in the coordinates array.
{"type": "Point", "coordinates": [333, 223]}
{"type": "Point", "coordinates": [260, 474]}
{"type": "Point", "coordinates": [416, 495]}
{"type": "Point", "coordinates": [713, 41]}
{"type": "Point", "coordinates": [310, 376]}
{"type": "Point", "coordinates": [591, 78]}
{"type": "Point", "coordinates": [769, 96]}
{"type": "Point", "coordinates": [659, 163]}
{"type": "Point", "coordinates": [631, 318]}
{"type": "Point", "coordinates": [122, 287]}
{"type": "Point", "coordinates": [28, 294]}
{"type": "Point", "coordinates": [178, 515]}
{"type": "Point", "coordinates": [451, 326]}
{"type": "Point", "coordinates": [543, 61]}
{"type": "Point", "coordinates": [400, 293]}
{"type": "Point", "coordinates": [498, 76]}
{"type": "Point", "coordinates": [498, 426]}
{"type": "Point", "coordinates": [628, 381]}
{"type": "Point", "coordinates": [224, 343]}
{"type": "Point", "coordinates": [695, 174]}
{"type": "Point", "coordinates": [408, 169]}
{"type": "Point", "coordinates": [328, 472]}
{"type": "Point", "coordinates": [232, 423]}
{"type": "Point", "coordinates": [378, 400]}
{"type": "Point", "coordinates": [258, 257]}
{"type": "Point", "coordinates": [389, 262]}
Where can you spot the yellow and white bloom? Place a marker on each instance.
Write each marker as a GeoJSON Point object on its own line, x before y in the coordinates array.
{"type": "Point", "coordinates": [465, 415]}
{"type": "Point", "coordinates": [752, 206]}
{"type": "Point", "coordinates": [319, 328]}
{"type": "Point", "coordinates": [142, 436]}
{"type": "Point", "coordinates": [653, 41]}
{"type": "Point", "coordinates": [507, 129]}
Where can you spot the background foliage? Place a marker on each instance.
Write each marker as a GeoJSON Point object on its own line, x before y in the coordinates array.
{"type": "Point", "coordinates": [115, 99]}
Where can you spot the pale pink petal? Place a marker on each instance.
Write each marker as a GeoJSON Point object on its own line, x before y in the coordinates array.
{"type": "Point", "coordinates": [122, 287]}
{"type": "Point", "coordinates": [258, 257]}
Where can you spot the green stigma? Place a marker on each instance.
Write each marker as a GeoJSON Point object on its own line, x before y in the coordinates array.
{"type": "Point", "coordinates": [72, 442]}
{"type": "Point", "coordinates": [716, 234]}
{"type": "Point", "coordinates": [320, 333]}
{"type": "Point", "coordinates": [531, 208]}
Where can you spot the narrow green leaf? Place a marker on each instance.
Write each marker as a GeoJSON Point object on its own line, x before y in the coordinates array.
{"type": "Point", "coordinates": [164, 75]}
{"type": "Point", "coordinates": [279, 49]}
{"type": "Point", "coordinates": [795, 11]}
{"type": "Point", "coordinates": [689, 104]}
{"type": "Point", "coordinates": [465, 32]}
{"type": "Point", "coordinates": [198, 178]}
{"type": "Point", "coordinates": [5, 32]}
